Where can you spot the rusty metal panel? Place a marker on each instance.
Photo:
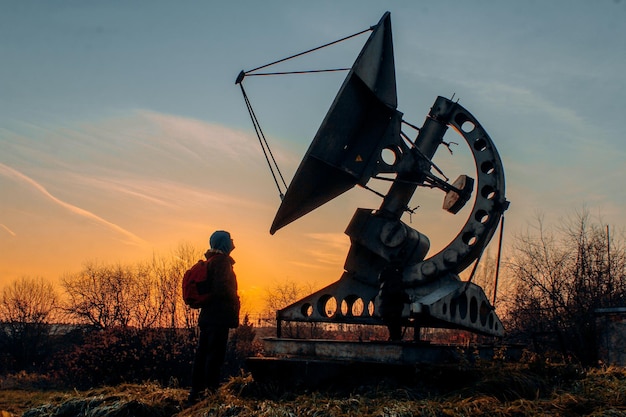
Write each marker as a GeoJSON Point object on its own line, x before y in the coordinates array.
{"type": "Point", "coordinates": [372, 351]}
{"type": "Point", "coordinates": [611, 325]}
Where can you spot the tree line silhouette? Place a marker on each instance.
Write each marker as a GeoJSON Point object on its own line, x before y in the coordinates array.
{"type": "Point", "coordinates": [114, 323]}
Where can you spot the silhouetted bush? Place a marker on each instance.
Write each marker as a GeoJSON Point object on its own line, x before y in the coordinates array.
{"type": "Point", "coordinates": [562, 276]}
{"type": "Point", "coordinates": [116, 355]}
{"type": "Point", "coordinates": [99, 357]}
{"type": "Point", "coordinates": [242, 344]}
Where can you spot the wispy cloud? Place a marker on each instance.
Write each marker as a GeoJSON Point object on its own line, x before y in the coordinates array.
{"type": "Point", "coordinates": [10, 172]}
{"type": "Point", "coordinates": [194, 138]}
{"type": "Point", "coordinates": [9, 231]}
{"type": "Point", "coordinates": [335, 246]}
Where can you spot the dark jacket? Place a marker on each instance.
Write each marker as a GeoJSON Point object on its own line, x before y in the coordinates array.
{"type": "Point", "coordinates": [222, 308]}
{"type": "Point", "coordinates": [392, 295]}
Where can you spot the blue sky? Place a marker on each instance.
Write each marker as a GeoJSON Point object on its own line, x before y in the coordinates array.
{"type": "Point", "coordinates": [123, 133]}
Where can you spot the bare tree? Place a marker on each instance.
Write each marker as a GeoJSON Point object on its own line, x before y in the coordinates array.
{"type": "Point", "coordinates": [166, 291]}
{"type": "Point", "coordinates": [185, 256]}
{"type": "Point", "coordinates": [103, 295]}
{"type": "Point", "coordinates": [484, 274]}
{"type": "Point", "coordinates": [27, 309]}
{"type": "Point", "coordinates": [147, 297]}
{"type": "Point", "coordinates": [561, 276]}
{"type": "Point", "coordinates": [279, 296]}
{"type": "Point", "coordinates": [167, 274]}
{"type": "Point", "coordinates": [144, 295]}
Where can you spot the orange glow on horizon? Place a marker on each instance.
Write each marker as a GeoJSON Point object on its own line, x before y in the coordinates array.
{"type": "Point", "coordinates": [127, 208]}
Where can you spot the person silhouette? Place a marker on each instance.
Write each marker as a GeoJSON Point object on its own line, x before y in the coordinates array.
{"type": "Point", "coordinates": [392, 299]}
{"type": "Point", "coordinates": [217, 315]}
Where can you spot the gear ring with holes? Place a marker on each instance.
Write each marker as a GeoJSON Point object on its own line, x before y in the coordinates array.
{"type": "Point", "coordinates": [489, 205]}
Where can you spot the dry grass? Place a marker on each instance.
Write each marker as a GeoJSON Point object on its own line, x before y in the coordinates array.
{"type": "Point", "coordinates": [504, 390]}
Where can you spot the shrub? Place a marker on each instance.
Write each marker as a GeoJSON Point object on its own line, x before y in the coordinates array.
{"type": "Point", "coordinates": [242, 344]}
{"type": "Point", "coordinates": [93, 358]}
{"type": "Point", "coordinates": [116, 355]}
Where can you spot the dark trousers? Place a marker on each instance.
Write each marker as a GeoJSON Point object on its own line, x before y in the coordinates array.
{"type": "Point", "coordinates": [209, 358]}
{"type": "Point", "coordinates": [395, 329]}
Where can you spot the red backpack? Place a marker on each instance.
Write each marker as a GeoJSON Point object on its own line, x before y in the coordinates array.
{"type": "Point", "coordinates": [196, 285]}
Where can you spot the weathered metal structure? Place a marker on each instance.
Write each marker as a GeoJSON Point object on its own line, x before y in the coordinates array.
{"type": "Point", "coordinates": [611, 328]}
{"type": "Point", "coordinates": [360, 132]}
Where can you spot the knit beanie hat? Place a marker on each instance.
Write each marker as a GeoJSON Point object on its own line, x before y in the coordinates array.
{"type": "Point", "coordinates": [220, 240]}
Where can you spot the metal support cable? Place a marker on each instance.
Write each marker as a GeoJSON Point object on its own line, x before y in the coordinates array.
{"type": "Point", "coordinates": [495, 289]}
{"type": "Point", "coordinates": [267, 152]}
{"type": "Point", "coordinates": [471, 277]}
{"type": "Point", "coordinates": [411, 125]}
{"type": "Point", "coordinates": [495, 285]}
{"type": "Point", "coordinates": [308, 51]}
{"type": "Point", "coordinates": [299, 72]}
{"type": "Point", "coordinates": [264, 145]}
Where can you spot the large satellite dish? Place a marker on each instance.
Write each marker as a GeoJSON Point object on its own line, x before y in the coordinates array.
{"type": "Point", "coordinates": [347, 150]}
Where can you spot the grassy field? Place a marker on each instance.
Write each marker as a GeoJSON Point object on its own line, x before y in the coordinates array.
{"type": "Point", "coordinates": [493, 390]}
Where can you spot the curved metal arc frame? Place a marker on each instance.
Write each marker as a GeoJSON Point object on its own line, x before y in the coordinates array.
{"type": "Point", "coordinates": [489, 205]}
{"type": "Point", "coordinates": [432, 283]}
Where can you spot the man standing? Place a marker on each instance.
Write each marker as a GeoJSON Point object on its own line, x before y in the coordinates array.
{"type": "Point", "coordinates": [392, 299]}
{"type": "Point", "coordinates": [219, 314]}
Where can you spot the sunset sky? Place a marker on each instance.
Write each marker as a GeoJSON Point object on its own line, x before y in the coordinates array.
{"type": "Point", "coordinates": [123, 134]}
